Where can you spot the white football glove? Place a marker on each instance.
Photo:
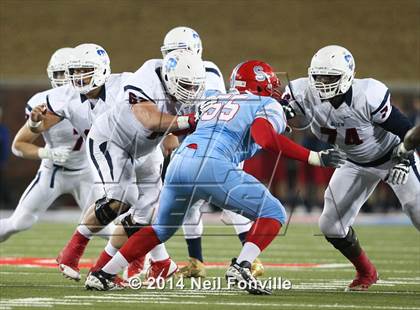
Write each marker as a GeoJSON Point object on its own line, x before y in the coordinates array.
{"type": "Point", "coordinates": [58, 155]}
{"type": "Point", "coordinates": [327, 158]}
{"type": "Point", "coordinates": [398, 175]}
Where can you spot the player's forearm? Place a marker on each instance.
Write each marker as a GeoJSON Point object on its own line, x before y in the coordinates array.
{"type": "Point", "coordinates": [25, 150]}
{"type": "Point", "coordinates": [264, 135]}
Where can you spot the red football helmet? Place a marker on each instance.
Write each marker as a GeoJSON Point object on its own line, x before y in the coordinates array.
{"type": "Point", "coordinates": [256, 77]}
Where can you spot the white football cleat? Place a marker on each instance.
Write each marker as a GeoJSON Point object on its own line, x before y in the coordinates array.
{"type": "Point", "coordinates": [100, 281]}
{"type": "Point", "coordinates": [69, 272]}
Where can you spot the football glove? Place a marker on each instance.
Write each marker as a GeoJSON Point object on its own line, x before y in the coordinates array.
{"type": "Point", "coordinates": [398, 175]}
{"type": "Point", "coordinates": [288, 110]}
{"type": "Point", "coordinates": [327, 158]}
{"type": "Point", "coordinates": [58, 155]}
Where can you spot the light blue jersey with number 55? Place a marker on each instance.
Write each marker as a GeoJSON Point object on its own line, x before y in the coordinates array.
{"type": "Point", "coordinates": [223, 130]}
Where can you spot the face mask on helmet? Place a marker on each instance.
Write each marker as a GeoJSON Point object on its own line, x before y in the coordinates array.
{"type": "Point", "coordinates": [57, 66]}
{"type": "Point", "coordinates": [82, 79]}
{"type": "Point", "coordinates": [331, 72]}
{"type": "Point", "coordinates": [184, 75]}
{"type": "Point", "coordinates": [182, 38]}
{"type": "Point", "coordinates": [89, 68]}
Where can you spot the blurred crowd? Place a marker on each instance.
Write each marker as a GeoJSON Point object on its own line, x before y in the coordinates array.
{"type": "Point", "coordinates": [294, 183]}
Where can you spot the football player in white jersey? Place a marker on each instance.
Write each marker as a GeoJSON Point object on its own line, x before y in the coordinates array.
{"type": "Point", "coordinates": [92, 91]}
{"type": "Point", "coordinates": [155, 95]}
{"type": "Point", "coordinates": [63, 169]}
{"type": "Point", "coordinates": [187, 38]}
{"type": "Point", "coordinates": [355, 115]}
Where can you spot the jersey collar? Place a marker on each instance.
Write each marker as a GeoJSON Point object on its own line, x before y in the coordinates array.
{"type": "Point", "coordinates": [348, 96]}
{"type": "Point", "coordinates": [102, 95]}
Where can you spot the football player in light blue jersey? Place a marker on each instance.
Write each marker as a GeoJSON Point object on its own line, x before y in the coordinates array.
{"type": "Point", "coordinates": [231, 129]}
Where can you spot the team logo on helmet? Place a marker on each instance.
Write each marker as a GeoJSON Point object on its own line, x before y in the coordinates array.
{"type": "Point", "coordinates": [171, 64]}
{"type": "Point", "coordinates": [101, 52]}
{"type": "Point", "coordinates": [259, 73]}
{"type": "Point", "coordinates": [349, 60]}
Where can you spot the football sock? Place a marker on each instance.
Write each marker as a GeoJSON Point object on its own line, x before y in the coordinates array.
{"type": "Point", "coordinates": [85, 231]}
{"type": "Point", "coordinates": [248, 253]}
{"type": "Point", "coordinates": [116, 264]}
{"type": "Point", "coordinates": [350, 247]}
{"type": "Point", "coordinates": [194, 248]}
{"type": "Point", "coordinates": [263, 231]}
{"type": "Point", "coordinates": [140, 243]}
{"type": "Point", "coordinates": [73, 250]}
{"type": "Point", "coordinates": [362, 263]}
{"type": "Point", "coordinates": [105, 257]}
{"type": "Point", "coordinates": [159, 253]}
{"type": "Point", "coordinates": [242, 237]}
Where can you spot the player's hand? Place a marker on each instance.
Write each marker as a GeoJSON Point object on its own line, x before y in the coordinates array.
{"type": "Point", "coordinates": [58, 155]}
{"type": "Point", "coordinates": [38, 113]}
{"type": "Point", "coordinates": [169, 144]}
{"type": "Point", "coordinates": [399, 153]}
{"type": "Point", "coordinates": [202, 108]}
{"type": "Point", "coordinates": [327, 158]}
{"type": "Point", "coordinates": [288, 110]}
{"type": "Point", "coordinates": [398, 175]}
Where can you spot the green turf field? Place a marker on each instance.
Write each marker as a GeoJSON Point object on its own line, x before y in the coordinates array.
{"type": "Point", "coordinates": [394, 249]}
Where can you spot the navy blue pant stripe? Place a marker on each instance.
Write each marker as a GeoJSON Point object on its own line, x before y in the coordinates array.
{"type": "Point", "coordinates": [53, 176]}
{"type": "Point", "coordinates": [38, 176]}
{"type": "Point", "coordinates": [103, 148]}
{"type": "Point", "coordinates": [94, 160]}
{"type": "Point", "coordinates": [416, 172]}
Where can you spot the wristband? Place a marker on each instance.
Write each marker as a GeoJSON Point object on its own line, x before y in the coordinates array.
{"type": "Point", "coordinates": [182, 122]}
{"type": "Point", "coordinates": [32, 124]}
{"type": "Point", "coordinates": [43, 153]}
{"type": "Point", "coordinates": [313, 159]}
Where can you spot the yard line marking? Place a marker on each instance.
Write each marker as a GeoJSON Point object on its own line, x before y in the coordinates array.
{"type": "Point", "coordinates": [88, 263]}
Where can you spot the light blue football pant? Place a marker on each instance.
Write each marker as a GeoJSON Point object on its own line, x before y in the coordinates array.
{"type": "Point", "coordinates": [189, 179]}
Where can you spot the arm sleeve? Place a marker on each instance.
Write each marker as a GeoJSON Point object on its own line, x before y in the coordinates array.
{"type": "Point", "coordinates": [214, 79]}
{"type": "Point", "coordinates": [140, 86]}
{"type": "Point", "coordinates": [57, 106]}
{"type": "Point", "coordinates": [396, 123]}
{"type": "Point", "coordinates": [290, 97]}
{"type": "Point", "coordinates": [273, 112]}
{"type": "Point", "coordinates": [265, 136]}
{"type": "Point", "coordinates": [379, 101]}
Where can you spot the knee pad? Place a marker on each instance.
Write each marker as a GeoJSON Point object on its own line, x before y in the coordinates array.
{"type": "Point", "coordinates": [104, 212]}
{"type": "Point", "coordinates": [130, 227]}
{"type": "Point", "coordinates": [349, 245]}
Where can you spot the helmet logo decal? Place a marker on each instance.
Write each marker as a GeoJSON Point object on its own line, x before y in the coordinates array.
{"type": "Point", "coordinates": [349, 60]}
{"type": "Point", "coordinates": [259, 73]}
{"type": "Point", "coordinates": [101, 52]}
{"type": "Point", "coordinates": [171, 64]}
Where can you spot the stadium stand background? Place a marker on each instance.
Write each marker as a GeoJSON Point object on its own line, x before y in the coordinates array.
{"type": "Point", "coordinates": [383, 36]}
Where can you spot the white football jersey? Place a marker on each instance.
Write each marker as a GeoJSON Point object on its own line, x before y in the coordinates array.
{"type": "Point", "coordinates": [61, 135]}
{"type": "Point", "coordinates": [67, 103]}
{"type": "Point", "coordinates": [121, 125]}
{"type": "Point", "coordinates": [353, 126]}
{"type": "Point", "coordinates": [214, 78]}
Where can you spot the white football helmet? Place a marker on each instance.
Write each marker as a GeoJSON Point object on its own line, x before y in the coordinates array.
{"type": "Point", "coordinates": [57, 66]}
{"type": "Point", "coordinates": [184, 75]}
{"type": "Point", "coordinates": [332, 60]}
{"type": "Point", "coordinates": [88, 56]}
{"type": "Point", "coordinates": [182, 38]}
